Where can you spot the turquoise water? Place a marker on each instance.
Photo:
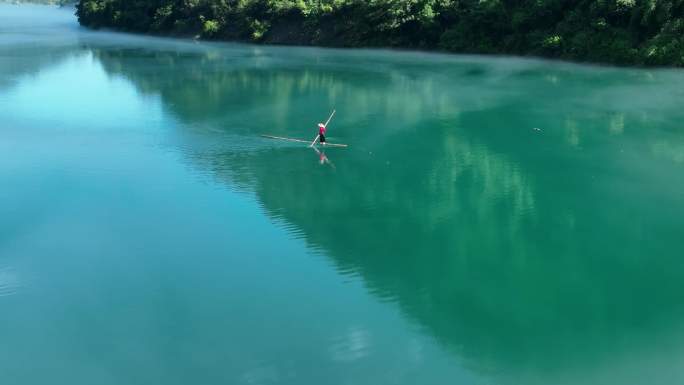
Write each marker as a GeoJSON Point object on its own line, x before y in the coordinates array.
{"type": "Point", "coordinates": [493, 221]}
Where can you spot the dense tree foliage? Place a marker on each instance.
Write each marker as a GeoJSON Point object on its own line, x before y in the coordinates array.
{"type": "Point", "coordinates": [642, 32]}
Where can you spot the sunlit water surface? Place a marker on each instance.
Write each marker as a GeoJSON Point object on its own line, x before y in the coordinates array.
{"type": "Point", "coordinates": [493, 221]}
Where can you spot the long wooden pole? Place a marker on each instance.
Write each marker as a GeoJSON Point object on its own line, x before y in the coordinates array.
{"type": "Point", "coordinates": [326, 125]}
{"type": "Point", "coordinates": [330, 118]}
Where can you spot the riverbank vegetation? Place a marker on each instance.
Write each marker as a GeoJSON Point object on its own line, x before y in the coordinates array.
{"type": "Point", "coordinates": [625, 32]}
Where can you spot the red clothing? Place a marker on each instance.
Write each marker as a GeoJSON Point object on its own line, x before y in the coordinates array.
{"type": "Point", "coordinates": [321, 130]}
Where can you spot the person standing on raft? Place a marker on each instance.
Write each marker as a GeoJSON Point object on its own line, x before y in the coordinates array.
{"type": "Point", "coordinates": [321, 133]}
{"type": "Point", "coordinates": [321, 130]}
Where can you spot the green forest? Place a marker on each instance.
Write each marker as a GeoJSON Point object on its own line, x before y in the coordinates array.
{"type": "Point", "coordinates": [623, 32]}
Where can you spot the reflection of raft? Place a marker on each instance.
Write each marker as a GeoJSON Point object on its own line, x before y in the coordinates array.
{"type": "Point", "coordinates": [327, 144]}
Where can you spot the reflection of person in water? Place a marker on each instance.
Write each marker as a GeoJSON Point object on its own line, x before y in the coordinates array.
{"type": "Point", "coordinates": [322, 158]}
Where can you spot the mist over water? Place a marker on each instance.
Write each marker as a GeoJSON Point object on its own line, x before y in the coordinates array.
{"type": "Point", "coordinates": [493, 220]}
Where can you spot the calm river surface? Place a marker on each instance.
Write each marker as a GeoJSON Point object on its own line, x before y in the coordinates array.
{"type": "Point", "coordinates": [494, 221]}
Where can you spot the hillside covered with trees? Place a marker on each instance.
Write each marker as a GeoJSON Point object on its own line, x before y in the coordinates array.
{"type": "Point", "coordinates": [625, 32]}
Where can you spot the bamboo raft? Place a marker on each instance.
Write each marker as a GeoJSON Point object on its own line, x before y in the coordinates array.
{"type": "Point", "coordinates": [302, 141]}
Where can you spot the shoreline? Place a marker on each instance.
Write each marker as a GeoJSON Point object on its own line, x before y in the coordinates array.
{"type": "Point", "coordinates": [390, 49]}
{"type": "Point", "coordinates": [605, 35]}
{"type": "Point", "coordinates": [282, 43]}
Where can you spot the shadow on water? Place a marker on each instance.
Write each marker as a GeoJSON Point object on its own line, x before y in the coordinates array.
{"type": "Point", "coordinates": [523, 213]}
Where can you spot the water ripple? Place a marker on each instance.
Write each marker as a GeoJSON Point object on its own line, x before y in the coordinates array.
{"type": "Point", "coordinates": [9, 282]}
{"type": "Point", "coordinates": [354, 345]}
